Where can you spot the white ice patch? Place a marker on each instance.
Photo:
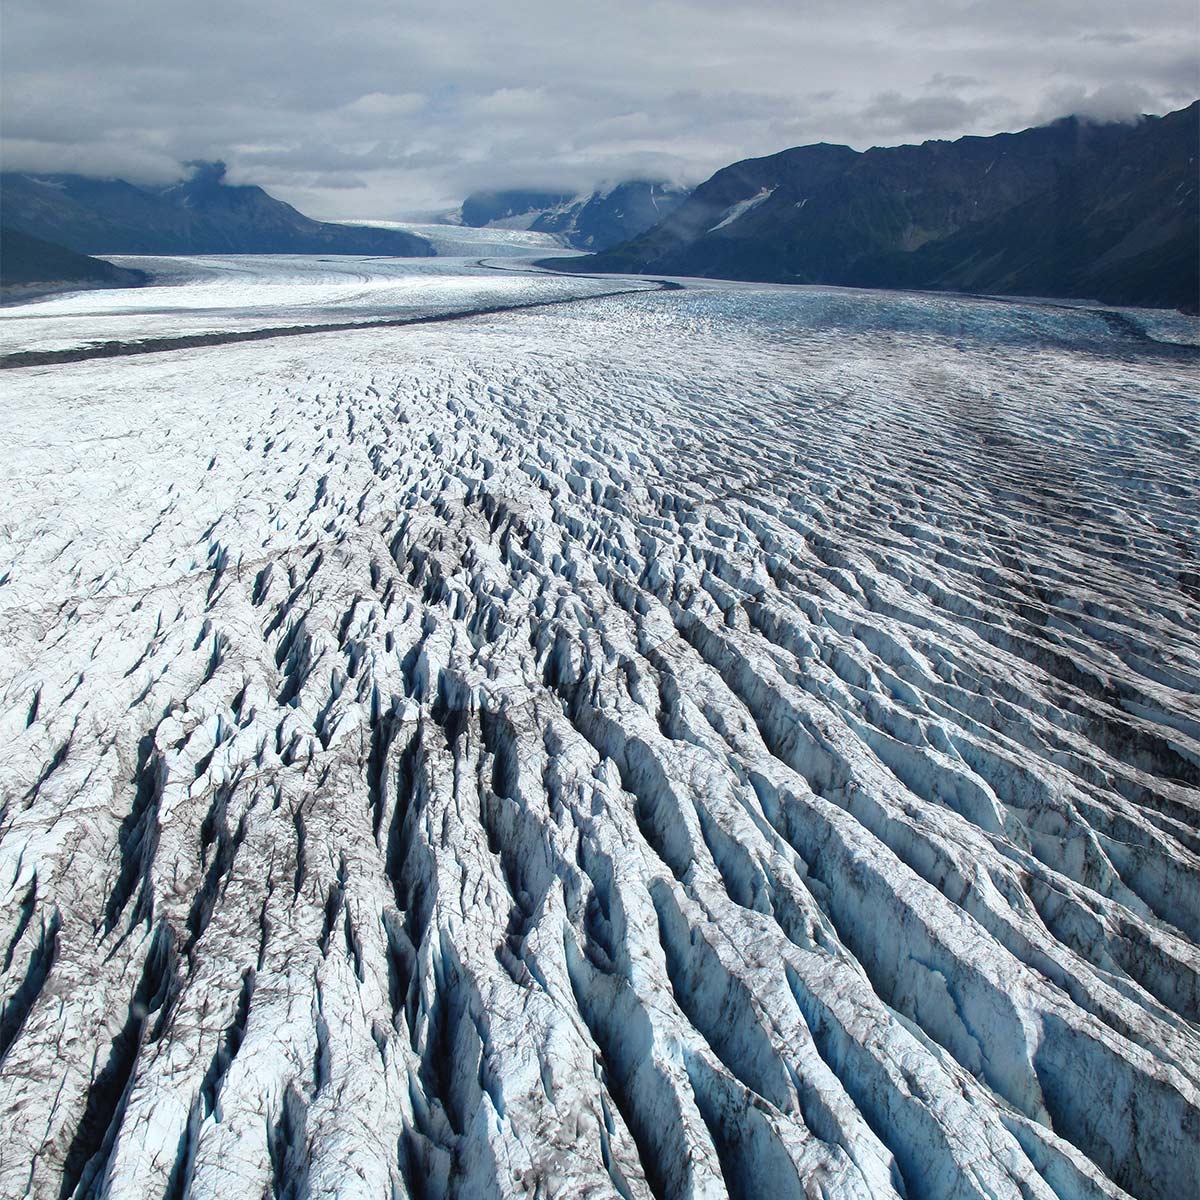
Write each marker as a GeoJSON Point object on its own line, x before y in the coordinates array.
{"type": "Point", "coordinates": [736, 211]}
{"type": "Point", "coordinates": [465, 241]}
{"type": "Point", "coordinates": [220, 293]}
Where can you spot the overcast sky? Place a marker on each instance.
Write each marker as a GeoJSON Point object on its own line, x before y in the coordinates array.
{"type": "Point", "coordinates": [353, 108]}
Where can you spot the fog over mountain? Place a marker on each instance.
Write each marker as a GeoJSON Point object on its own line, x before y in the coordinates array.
{"type": "Point", "coordinates": [470, 97]}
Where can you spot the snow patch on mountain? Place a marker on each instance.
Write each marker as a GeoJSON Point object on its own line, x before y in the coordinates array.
{"type": "Point", "coordinates": [736, 211]}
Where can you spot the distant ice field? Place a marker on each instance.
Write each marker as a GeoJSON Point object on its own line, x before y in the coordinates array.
{"type": "Point", "coordinates": [451, 241]}
{"type": "Point", "coordinates": [721, 742]}
{"type": "Point", "coordinates": [478, 268]}
{"type": "Point", "coordinates": [218, 293]}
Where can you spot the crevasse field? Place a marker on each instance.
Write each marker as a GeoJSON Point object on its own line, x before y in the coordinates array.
{"type": "Point", "coordinates": [730, 741]}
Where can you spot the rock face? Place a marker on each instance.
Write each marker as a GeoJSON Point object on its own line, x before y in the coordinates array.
{"type": "Point", "coordinates": [1108, 212]}
{"type": "Point", "coordinates": [593, 221]}
{"type": "Point", "coordinates": [701, 744]}
{"type": "Point", "coordinates": [201, 215]}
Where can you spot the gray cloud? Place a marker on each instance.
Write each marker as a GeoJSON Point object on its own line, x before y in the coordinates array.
{"type": "Point", "coordinates": [1109, 102]}
{"type": "Point", "coordinates": [927, 115]}
{"type": "Point", "coordinates": [941, 81]}
{"type": "Point", "coordinates": [376, 109]}
{"type": "Point", "coordinates": [1113, 37]}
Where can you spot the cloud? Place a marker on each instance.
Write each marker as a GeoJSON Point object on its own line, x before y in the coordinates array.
{"type": "Point", "coordinates": [1109, 102]}
{"type": "Point", "coordinates": [941, 81]}
{"type": "Point", "coordinates": [372, 110]}
{"type": "Point", "coordinates": [513, 103]}
{"type": "Point", "coordinates": [925, 115]}
{"type": "Point", "coordinates": [98, 159]}
{"type": "Point", "coordinates": [383, 104]}
{"type": "Point", "coordinates": [1111, 37]}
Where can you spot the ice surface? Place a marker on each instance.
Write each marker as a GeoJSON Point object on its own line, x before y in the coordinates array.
{"type": "Point", "coordinates": [725, 742]}
{"type": "Point", "coordinates": [221, 293]}
{"type": "Point", "coordinates": [465, 241]}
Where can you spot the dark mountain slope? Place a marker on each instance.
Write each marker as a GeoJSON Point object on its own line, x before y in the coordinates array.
{"type": "Point", "coordinates": [1122, 227]}
{"type": "Point", "coordinates": [1068, 209]}
{"type": "Point", "coordinates": [201, 215]}
{"type": "Point", "coordinates": [481, 209]}
{"type": "Point", "coordinates": [596, 221]}
{"type": "Point", "coordinates": [29, 265]}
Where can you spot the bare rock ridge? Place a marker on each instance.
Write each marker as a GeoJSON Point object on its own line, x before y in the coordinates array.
{"type": "Point", "coordinates": [680, 746]}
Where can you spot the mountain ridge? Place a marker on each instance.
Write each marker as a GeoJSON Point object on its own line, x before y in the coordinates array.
{"type": "Point", "coordinates": [597, 220]}
{"type": "Point", "coordinates": [200, 215]}
{"type": "Point", "coordinates": [31, 267]}
{"type": "Point", "coordinates": [1110, 213]}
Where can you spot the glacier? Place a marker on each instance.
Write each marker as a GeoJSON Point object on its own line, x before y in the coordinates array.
{"type": "Point", "coordinates": [237, 294]}
{"type": "Point", "coordinates": [734, 741]}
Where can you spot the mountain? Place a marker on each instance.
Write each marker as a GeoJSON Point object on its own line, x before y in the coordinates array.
{"type": "Point", "coordinates": [1073, 209]}
{"type": "Point", "coordinates": [592, 221]}
{"type": "Point", "coordinates": [512, 209]}
{"type": "Point", "coordinates": [29, 265]}
{"type": "Point", "coordinates": [200, 215]}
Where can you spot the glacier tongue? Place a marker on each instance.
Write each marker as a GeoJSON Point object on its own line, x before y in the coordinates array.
{"type": "Point", "coordinates": [672, 747]}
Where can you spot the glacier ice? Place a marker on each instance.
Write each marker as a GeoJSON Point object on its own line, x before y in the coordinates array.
{"type": "Point", "coordinates": [730, 742]}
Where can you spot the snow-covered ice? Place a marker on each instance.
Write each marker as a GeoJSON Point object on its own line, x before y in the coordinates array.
{"type": "Point", "coordinates": [725, 742]}
{"type": "Point", "coordinates": [206, 294]}
{"type": "Point", "coordinates": [463, 241]}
